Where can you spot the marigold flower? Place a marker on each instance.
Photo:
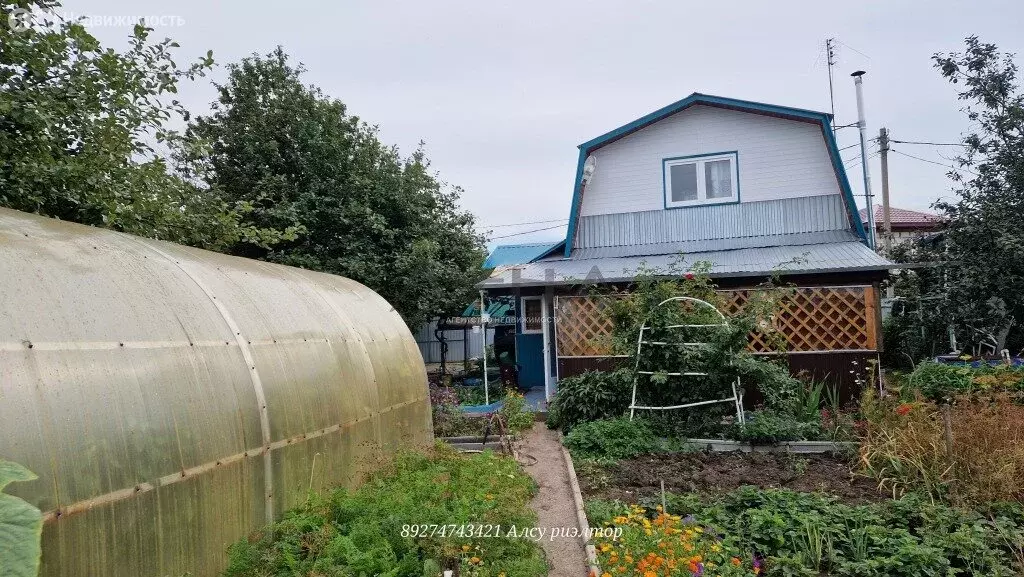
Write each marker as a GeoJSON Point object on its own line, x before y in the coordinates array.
{"type": "Point", "coordinates": [606, 574]}
{"type": "Point", "coordinates": [735, 561]}
{"type": "Point", "coordinates": [650, 574]}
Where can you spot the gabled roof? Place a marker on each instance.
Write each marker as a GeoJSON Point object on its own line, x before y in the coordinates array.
{"type": "Point", "coordinates": [903, 217]}
{"type": "Point", "coordinates": [510, 254]}
{"type": "Point", "coordinates": [821, 118]}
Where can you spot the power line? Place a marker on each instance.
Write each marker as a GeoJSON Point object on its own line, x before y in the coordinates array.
{"type": "Point", "coordinates": [854, 49]}
{"type": "Point", "coordinates": [929, 143]}
{"type": "Point", "coordinates": [931, 161]}
{"type": "Point", "coordinates": [851, 146]}
{"type": "Point", "coordinates": [526, 232]}
{"type": "Point", "coordinates": [524, 223]}
{"type": "Point", "coordinates": [870, 156]}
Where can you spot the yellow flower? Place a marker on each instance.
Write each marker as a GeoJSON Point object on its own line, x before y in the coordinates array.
{"type": "Point", "coordinates": [606, 574]}
{"type": "Point", "coordinates": [465, 547]}
{"type": "Point", "coordinates": [605, 547]}
{"type": "Point", "coordinates": [474, 560]}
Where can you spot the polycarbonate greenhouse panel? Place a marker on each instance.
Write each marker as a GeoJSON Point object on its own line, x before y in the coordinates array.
{"type": "Point", "coordinates": [172, 400]}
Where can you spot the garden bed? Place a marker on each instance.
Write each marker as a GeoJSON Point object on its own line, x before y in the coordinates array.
{"type": "Point", "coordinates": [639, 478]}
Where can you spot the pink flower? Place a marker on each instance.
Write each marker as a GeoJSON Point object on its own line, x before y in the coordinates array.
{"type": "Point", "coordinates": [689, 276]}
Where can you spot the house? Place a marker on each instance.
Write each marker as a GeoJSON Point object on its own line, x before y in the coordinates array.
{"type": "Point", "coordinates": [752, 188]}
{"type": "Point", "coordinates": [906, 224]}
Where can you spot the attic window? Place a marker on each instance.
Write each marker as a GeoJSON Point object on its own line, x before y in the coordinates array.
{"type": "Point", "coordinates": [701, 179]}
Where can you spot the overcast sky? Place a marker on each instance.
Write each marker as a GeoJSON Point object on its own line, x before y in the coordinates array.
{"type": "Point", "coordinates": [503, 92]}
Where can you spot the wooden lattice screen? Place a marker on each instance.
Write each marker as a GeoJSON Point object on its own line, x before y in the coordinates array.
{"type": "Point", "coordinates": [811, 319]}
{"type": "Point", "coordinates": [582, 327]}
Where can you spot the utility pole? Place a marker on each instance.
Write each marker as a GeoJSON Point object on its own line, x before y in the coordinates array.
{"type": "Point", "coordinates": [862, 124]}
{"type": "Point", "coordinates": [883, 148]}
{"type": "Point", "coordinates": [831, 55]}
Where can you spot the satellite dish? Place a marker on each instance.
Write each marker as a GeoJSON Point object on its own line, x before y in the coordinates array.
{"type": "Point", "coordinates": [588, 169]}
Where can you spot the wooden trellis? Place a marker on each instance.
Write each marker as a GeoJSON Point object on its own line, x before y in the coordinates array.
{"type": "Point", "coordinates": [818, 319]}
{"type": "Point", "coordinates": [583, 328]}
{"type": "Point", "coordinates": [810, 319]}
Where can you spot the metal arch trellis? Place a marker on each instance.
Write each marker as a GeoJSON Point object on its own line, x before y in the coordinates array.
{"type": "Point", "coordinates": [737, 392]}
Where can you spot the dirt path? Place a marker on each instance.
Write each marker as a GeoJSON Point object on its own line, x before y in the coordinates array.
{"type": "Point", "coordinates": [554, 501]}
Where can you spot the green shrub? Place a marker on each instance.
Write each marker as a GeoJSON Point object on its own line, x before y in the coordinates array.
{"type": "Point", "coordinates": [938, 382]}
{"type": "Point", "coordinates": [378, 529]}
{"type": "Point", "coordinates": [518, 417]}
{"type": "Point", "coordinates": [941, 383]}
{"type": "Point", "coordinates": [766, 426]}
{"type": "Point", "coordinates": [612, 439]}
{"type": "Point", "coordinates": [591, 396]}
{"type": "Point", "coordinates": [813, 534]}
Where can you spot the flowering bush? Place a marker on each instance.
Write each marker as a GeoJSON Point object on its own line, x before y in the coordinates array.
{"type": "Point", "coordinates": [668, 545]}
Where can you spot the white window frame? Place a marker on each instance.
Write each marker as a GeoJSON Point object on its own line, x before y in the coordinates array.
{"type": "Point", "coordinates": [701, 160]}
{"type": "Point", "coordinates": [523, 317]}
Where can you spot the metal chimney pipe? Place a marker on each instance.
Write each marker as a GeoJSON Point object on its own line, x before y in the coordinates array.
{"type": "Point", "coordinates": [862, 125]}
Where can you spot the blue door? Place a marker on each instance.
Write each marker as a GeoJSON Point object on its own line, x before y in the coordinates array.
{"type": "Point", "coordinates": [530, 358]}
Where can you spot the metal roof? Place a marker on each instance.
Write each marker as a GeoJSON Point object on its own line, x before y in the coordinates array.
{"type": "Point", "coordinates": [509, 254]}
{"type": "Point", "coordinates": [720, 245]}
{"type": "Point", "coordinates": [904, 217]}
{"type": "Point", "coordinates": [798, 259]}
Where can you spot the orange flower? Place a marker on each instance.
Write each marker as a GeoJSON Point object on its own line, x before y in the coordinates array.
{"type": "Point", "coordinates": [650, 574]}
{"type": "Point", "coordinates": [903, 409]}
{"type": "Point", "coordinates": [474, 560]}
{"type": "Point", "coordinates": [735, 561]}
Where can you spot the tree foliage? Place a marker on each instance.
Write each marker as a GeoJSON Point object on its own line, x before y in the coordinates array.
{"type": "Point", "coordinates": [976, 287]}
{"type": "Point", "coordinates": [84, 137]}
{"type": "Point", "coordinates": [302, 162]}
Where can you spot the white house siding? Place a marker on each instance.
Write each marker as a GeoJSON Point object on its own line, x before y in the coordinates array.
{"type": "Point", "coordinates": [778, 158]}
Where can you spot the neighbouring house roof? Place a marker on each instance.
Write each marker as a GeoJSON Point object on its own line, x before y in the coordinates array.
{"type": "Point", "coordinates": [850, 256]}
{"type": "Point", "coordinates": [824, 120]}
{"type": "Point", "coordinates": [509, 254]}
{"type": "Point", "coordinates": [903, 218]}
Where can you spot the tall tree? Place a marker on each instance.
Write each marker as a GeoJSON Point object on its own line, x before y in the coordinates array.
{"type": "Point", "coordinates": [84, 137]}
{"type": "Point", "coordinates": [981, 274]}
{"type": "Point", "coordinates": [300, 160]}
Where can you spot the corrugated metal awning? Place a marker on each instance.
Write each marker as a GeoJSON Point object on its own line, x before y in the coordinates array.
{"type": "Point", "coordinates": [763, 261]}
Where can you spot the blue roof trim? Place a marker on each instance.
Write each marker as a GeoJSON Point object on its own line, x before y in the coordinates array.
{"type": "Point", "coordinates": [822, 118]}
{"type": "Point", "coordinates": [511, 254]}
{"type": "Point", "coordinates": [844, 182]}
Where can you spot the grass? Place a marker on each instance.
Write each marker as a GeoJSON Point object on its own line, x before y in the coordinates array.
{"type": "Point", "coordinates": [410, 519]}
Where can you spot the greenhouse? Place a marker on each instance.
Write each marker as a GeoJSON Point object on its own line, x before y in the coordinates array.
{"type": "Point", "coordinates": [172, 400]}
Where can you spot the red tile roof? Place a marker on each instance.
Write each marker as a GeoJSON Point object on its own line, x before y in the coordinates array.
{"type": "Point", "coordinates": [904, 218]}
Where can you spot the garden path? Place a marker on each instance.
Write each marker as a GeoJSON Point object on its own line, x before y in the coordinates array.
{"type": "Point", "coordinates": [553, 502]}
